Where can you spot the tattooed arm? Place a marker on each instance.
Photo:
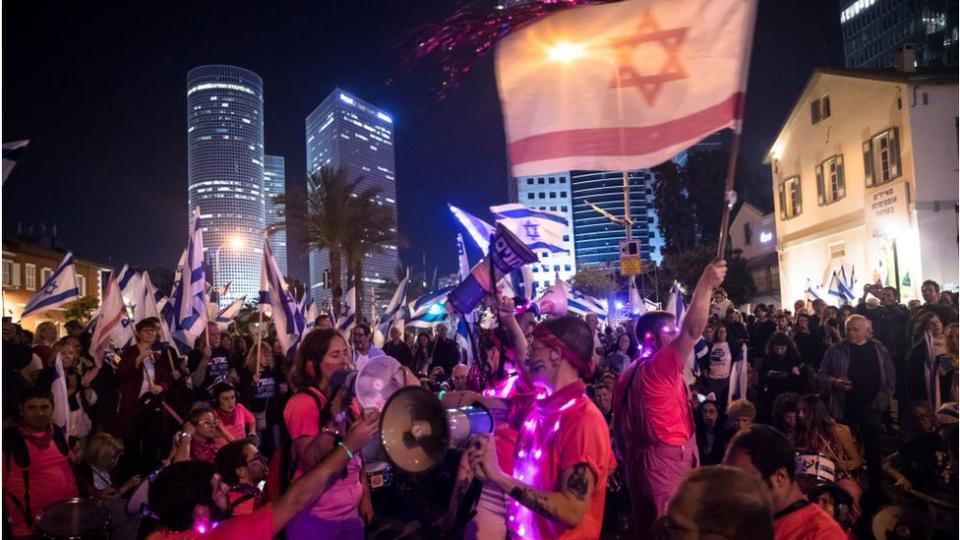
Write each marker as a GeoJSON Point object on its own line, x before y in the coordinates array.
{"type": "Point", "coordinates": [568, 505]}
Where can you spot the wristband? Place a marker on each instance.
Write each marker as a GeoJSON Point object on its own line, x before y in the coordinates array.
{"type": "Point", "coordinates": [345, 449]}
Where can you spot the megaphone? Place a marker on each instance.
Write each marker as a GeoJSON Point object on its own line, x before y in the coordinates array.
{"type": "Point", "coordinates": [507, 252]}
{"type": "Point", "coordinates": [553, 302]}
{"type": "Point", "coordinates": [417, 432]}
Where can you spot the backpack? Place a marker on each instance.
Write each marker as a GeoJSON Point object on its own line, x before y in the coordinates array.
{"type": "Point", "coordinates": [15, 448]}
{"type": "Point", "coordinates": [282, 464]}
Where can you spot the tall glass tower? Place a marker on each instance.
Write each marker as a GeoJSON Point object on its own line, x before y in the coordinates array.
{"type": "Point", "coordinates": [274, 185]}
{"type": "Point", "coordinates": [225, 173]}
{"type": "Point", "coordinates": [597, 239]}
{"type": "Point", "coordinates": [345, 131]}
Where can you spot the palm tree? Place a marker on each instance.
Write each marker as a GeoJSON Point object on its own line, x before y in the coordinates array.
{"type": "Point", "coordinates": [328, 213]}
{"type": "Point", "coordinates": [372, 229]}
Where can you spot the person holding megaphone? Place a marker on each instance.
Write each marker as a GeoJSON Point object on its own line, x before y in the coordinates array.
{"type": "Point", "coordinates": [562, 458]}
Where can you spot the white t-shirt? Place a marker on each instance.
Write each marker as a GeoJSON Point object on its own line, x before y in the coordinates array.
{"type": "Point", "coordinates": [149, 374]}
{"type": "Point", "coordinates": [720, 360]}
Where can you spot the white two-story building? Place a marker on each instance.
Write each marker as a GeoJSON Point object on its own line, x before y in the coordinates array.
{"type": "Point", "coordinates": [865, 181]}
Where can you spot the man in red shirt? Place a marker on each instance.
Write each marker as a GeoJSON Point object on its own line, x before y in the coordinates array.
{"type": "Point", "coordinates": [765, 453]}
{"type": "Point", "coordinates": [189, 497]}
{"type": "Point", "coordinates": [242, 467]}
{"type": "Point", "coordinates": [36, 471]}
{"type": "Point", "coordinates": [563, 455]}
{"type": "Point", "coordinates": [653, 422]}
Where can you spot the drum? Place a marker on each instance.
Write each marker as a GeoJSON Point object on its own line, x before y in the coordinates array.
{"type": "Point", "coordinates": [74, 519]}
{"type": "Point", "coordinates": [137, 504]}
{"type": "Point", "coordinates": [816, 467]}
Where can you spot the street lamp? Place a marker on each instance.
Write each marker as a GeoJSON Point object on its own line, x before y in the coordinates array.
{"type": "Point", "coordinates": [236, 243]}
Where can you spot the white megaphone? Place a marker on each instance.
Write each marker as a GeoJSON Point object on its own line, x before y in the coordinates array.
{"type": "Point", "coordinates": [417, 432]}
{"type": "Point", "coordinates": [507, 253]}
{"type": "Point", "coordinates": [552, 303]}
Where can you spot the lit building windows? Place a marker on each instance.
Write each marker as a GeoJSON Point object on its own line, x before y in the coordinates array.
{"type": "Point", "coordinates": [830, 182]}
{"type": "Point", "coordinates": [790, 197]}
{"type": "Point", "coordinates": [881, 157]}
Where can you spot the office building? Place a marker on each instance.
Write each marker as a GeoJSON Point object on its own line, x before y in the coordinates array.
{"type": "Point", "coordinates": [865, 183]}
{"type": "Point", "coordinates": [875, 30]}
{"type": "Point", "coordinates": [225, 173]}
{"type": "Point", "coordinates": [550, 192]}
{"type": "Point", "coordinates": [596, 238]}
{"type": "Point", "coordinates": [274, 185]}
{"type": "Point", "coordinates": [349, 133]}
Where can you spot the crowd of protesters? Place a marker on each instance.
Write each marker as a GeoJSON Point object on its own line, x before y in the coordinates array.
{"type": "Point", "coordinates": [787, 423]}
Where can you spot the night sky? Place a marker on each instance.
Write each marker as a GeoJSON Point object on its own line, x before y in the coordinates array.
{"type": "Point", "coordinates": [100, 89]}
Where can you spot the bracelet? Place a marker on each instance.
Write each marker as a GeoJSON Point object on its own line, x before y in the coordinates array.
{"type": "Point", "coordinates": [345, 449]}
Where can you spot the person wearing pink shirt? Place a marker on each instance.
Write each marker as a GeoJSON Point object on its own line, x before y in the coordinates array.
{"type": "Point", "coordinates": [557, 487]}
{"type": "Point", "coordinates": [317, 417]}
{"type": "Point", "coordinates": [235, 419]}
{"type": "Point", "coordinates": [653, 421]}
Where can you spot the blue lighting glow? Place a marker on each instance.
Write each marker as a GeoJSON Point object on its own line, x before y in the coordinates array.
{"type": "Point", "coordinates": [619, 304]}
{"type": "Point", "coordinates": [347, 99]}
{"type": "Point", "coordinates": [382, 116]}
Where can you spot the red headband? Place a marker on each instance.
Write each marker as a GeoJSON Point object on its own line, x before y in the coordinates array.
{"type": "Point", "coordinates": [548, 338]}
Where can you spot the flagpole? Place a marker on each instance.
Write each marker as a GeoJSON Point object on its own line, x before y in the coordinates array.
{"type": "Point", "coordinates": [259, 339]}
{"type": "Point", "coordinates": [729, 195]}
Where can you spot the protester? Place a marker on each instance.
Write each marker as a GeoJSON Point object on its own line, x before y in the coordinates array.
{"type": "Point", "coordinates": [860, 380]}
{"type": "Point", "coordinates": [760, 331]}
{"type": "Point", "coordinates": [653, 421]}
{"type": "Point", "coordinates": [741, 415]}
{"type": "Point", "coordinates": [399, 350]}
{"type": "Point", "coordinates": [242, 467]}
{"type": "Point", "coordinates": [363, 348]}
{"type": "Point", "coordinates": [422, 354]}
{"type": "Point", "coordinates": [209, 363]}
{"type": "Point", "coordinates": [459, 378]}
{"type": "Point", "coordinates": [263, 389]}
{"type": "Point", "coordinates": [929, 369]}
{"type": "Point", "coordinates": [711, 441]}
{"type": "Point", "coordinates": [718, 502]}
{"type": "Point", "coordinates": [766, 454]}
{"type": "Point", "coordinates": [191, 499]}
{"type": "Point", "coordinates": [563, 455]}
{"type": "Point", "coordinates": [95, 479]}
{"type": "Point", "coordinates": [809, 346]}
{"type": "Point", "coordinates": [719, 361]}
{"type": "Point", "coordinates": [201, 437]}
{"type": "Point", "coordinates": [316, 417]}
{"type": "Point", "coordinates": [235, 420]}
{"type": "Point", "coordinates": [619, 358]}
{"type": "Point", "coordinates": [444, 351]}
{"type": "Point", "coordinates": [36, 460]}
{"type": "Point", "coordinates": [933, 303]}
{"type": "Point", "coordinates": [783, 368]}
{"type": "Point", "coordinates": [719, 303]}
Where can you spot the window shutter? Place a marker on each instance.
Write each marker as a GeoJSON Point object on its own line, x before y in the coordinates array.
{"type": "Point", "coordinates": [783, 202]}
{"type": "Point", "coordinates": [868, 163]}
{"type": "Point", "coordinates": [820, 198]}
{"type": "Point", "coordinates": [841, 180]}
{"type": "Point", "coordinates": [894, 152]}
{"type": "Point", "coordinates": [825, 107]}
{"type": "Point", "coordinates": [15, 279]}
{"type": "Point", "coordinates": [815, 111]}
{"type": "Point", "coordinates": [798, 194]}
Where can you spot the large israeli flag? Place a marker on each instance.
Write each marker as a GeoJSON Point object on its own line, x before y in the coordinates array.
{"type": "Point", "coordinates": [581, 303]}
{"type": "Point", "coordinates": [188, 301]}
{"type": "Point", "coordinates": [538, 229]}
{"type": "Point", "coordinates": [60, 288]}
{"type": "Point", "coordinates": [287, 317]}
{"type": "Point", "coordinates": [429, 309]}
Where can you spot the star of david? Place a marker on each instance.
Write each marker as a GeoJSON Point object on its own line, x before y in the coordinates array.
{"type": "Point", "coordinates": [530, 229]}
{"type": "Point", "coordinates": [648, 31]}
{"type": "Point", "coordinates": [50, 289]}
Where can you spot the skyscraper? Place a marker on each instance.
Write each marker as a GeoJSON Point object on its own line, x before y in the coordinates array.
{"type": "Point", "coordinates": [225, 173]}
{"type": "Point", "coordinates": [347, 132]}
{"type": "Point", "coordinates": [874, 31]}
{"type": "Point", "coordinates": [597, 239]}
{"type": "Point", "coordinates": [274, 184]}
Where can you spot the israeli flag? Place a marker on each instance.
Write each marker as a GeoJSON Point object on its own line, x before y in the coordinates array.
{"type": "Point", "coordinates": [287, 317]}
{"type": "Point", "coordinates": [395, 307]}
{"type": "Point", "coordinates": [845, 285]}
{"type": "Point", "coordinates": [676, 304]}
{"type": "Point", "coordinates": [478, 229]}
{"type": "Point", "coordinates": [60, 288]}
{"type": "Point", "coordinates": [129, 281]}
{"type": "Point", "coordinates": [349, 319]}
{"type": "Point", "coordinates": [581, 303]}
{"type": "Point", "coordinates": [538, 229]}
{"type": "Point", "coordinates": [188, 300]}
{"type": "Point", "coordinates": [465, 341]}
{"type": "Point", "coordinates": [835, 288]}
{"type": "Point", "coordinates": [226, 315]}
{"type": "Point", "coordinates": [429, 310]}
{"type": "Point", "coordinates": [114, 326]}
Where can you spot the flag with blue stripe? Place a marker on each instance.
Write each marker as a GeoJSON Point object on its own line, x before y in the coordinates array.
{"type": "Point", "coordinates": [349, 319]}
{"type": "Point", "coordinates": [836, 289]}
{"type": "Point", "coordinates": [114, 326]}
{"type": "Point", "coordinates": [676, 304]}
{"type": "Point", "coordinates": [226, 315]}
{"type": "Point", "coordinates": [286, 315]}
{"type": "Point", "coordinates": [188, 300]}
{"type": "Point", "coordinates": [581, 303]}
{"type": "Point", "coordinates": [395, 307]}
{"type": "Point", "coordinates": [429, 309]}
{"type": "Point", "coordinates": [538, 229]}
{"type": "Point", "coordinates": [60, 288]}
{"type": "Point", "coordinates": [478, 229]}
